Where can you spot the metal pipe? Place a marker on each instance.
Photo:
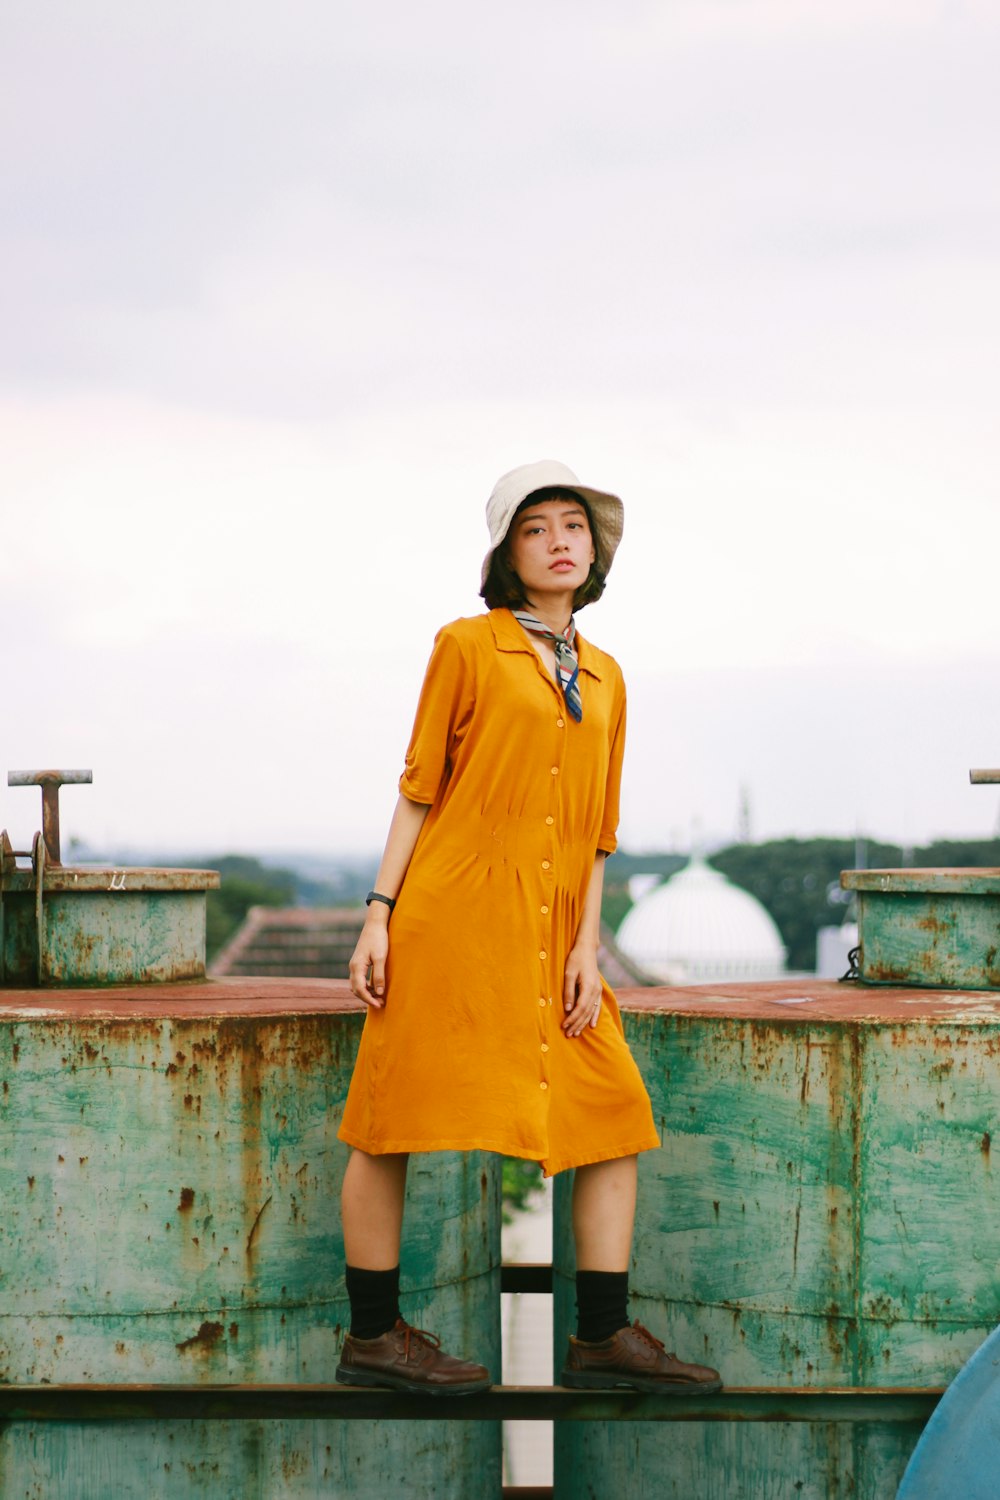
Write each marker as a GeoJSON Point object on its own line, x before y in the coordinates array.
{"type": "Point", "coordinates": [50, 782]}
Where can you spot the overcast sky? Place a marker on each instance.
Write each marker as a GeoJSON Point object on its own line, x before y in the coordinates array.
{"type": "Point", "coordinates": [285, 288]}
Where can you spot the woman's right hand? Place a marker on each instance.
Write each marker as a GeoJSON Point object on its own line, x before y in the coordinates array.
{"type": "Point", "coordinates": [367, 967]}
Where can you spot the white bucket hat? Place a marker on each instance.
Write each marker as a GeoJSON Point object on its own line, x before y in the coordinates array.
{"type": "Point", "coordinates": [607, 511]}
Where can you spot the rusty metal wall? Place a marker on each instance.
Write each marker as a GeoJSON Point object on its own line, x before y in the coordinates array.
{"type": "Point", "coordinates": [170, 1187]}
{"type": "Point", "coordinates": [823, 1213]}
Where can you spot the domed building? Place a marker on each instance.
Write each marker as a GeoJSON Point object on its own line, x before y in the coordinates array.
{"type": "Point", "coordinates": [698, 927]}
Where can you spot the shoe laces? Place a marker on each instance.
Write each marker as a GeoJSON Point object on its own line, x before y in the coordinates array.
{"type": "Point", "coordinates": [420, 1336]}
{"type": "Point", "coordinates": [651, 1339]}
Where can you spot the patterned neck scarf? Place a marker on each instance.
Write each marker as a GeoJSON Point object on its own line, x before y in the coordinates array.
{"type": "Point", "coordinates": [567, 663]}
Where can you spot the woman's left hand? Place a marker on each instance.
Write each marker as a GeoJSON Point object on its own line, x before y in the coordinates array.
{"type": "Point", "coordinates": [582, 990]}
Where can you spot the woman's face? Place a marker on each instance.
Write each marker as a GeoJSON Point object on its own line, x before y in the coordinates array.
{"type": "Point", "coordinates": [551, 548]}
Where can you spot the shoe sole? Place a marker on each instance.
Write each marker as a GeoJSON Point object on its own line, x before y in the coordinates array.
{"type": "Point", "coordinates": [371, 1380]}
{"type": "Point", "coordinates": [579, 1381]}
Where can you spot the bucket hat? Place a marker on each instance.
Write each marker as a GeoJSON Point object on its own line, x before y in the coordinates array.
{"type": "Point", "coordinates": [606, 510]}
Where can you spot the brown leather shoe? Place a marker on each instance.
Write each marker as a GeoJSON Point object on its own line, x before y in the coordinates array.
{"type": "Point", "coordinates": [633, 1357]}
{"type": "Point", "coordinates": [407, 1359]}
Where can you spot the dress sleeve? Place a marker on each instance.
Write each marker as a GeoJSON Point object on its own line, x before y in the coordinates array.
{"type": "Point", "coordinates": [446, 700]}
{"type": "Point", "coordinates": [608, 840]}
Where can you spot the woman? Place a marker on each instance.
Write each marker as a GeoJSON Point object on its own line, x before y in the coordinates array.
{"type": "Point", "coordinates": [489, 1026]}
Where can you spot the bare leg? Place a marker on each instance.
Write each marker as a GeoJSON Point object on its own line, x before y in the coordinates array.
{"type": "Point", "coordinates": [604, 1214]}
{"type": "Point", "coordinates": [371, 1204]}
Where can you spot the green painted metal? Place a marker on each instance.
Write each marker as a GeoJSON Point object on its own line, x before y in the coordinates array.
{"type": "Point", "coordinates": [928, 927]}
{"type": "Point", "coordinates": [170, 1188]}
{"type": "Point", "coordinates": [823, 1214]}
{"type": "Point", "coordinates": [101, 926]}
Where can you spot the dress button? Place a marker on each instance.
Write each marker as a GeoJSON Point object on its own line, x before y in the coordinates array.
{"type": "Point", "coordinates": [542, 1001]}
{"type": "Point", "coordinates": [560, 723]}
{"type": "Point", "coordinates": [543, 954]}
{"type": "Point", "coordinates": [543, 1085]}
{"type": "Point", "coordinates": [545, 864]}
{"type": "Point", "coordinates": [549, 821]}
{"type": "Point", "coordinates": [545, 1046]}
{"type": "Point", "coordinates": [555, 770]}
{"type": "Point", "coordinates": [545, 911]}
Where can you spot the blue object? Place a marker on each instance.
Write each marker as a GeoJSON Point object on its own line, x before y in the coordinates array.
{"type": "Point", "coordinates": [958, 1454]}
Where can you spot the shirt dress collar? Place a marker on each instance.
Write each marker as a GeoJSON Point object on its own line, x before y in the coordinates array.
{"type": "Point", "coordinates": [508, 636]}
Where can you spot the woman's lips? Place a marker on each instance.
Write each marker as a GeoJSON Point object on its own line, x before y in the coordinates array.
{"type": "Point", "coordinates": [564, 565]}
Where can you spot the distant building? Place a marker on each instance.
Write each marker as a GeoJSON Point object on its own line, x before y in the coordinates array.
{"type": "Point", "coordinates": [833, 950]}
{"type": "Point", "coordinates": [698, 927]}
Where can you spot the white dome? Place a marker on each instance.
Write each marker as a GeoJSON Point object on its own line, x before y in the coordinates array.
{"type": "Point", "coordinates": [699, 927]}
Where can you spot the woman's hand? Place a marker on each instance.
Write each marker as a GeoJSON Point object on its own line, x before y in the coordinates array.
{"type": "Point", "coordinates": [582, 989]}
{"type": "Point", "coordinates": [367, 967]}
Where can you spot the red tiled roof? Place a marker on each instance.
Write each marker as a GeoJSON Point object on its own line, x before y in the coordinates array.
{"type": "Point", "coordinates": [297, 942]}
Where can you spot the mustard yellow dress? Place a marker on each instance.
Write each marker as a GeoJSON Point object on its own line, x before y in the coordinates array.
{"type": "Point", "coordinates": [468, 1051]}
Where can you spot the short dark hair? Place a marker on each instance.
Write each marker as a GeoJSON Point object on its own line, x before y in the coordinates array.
{"type": "Point", "coordinates": [503, 589]}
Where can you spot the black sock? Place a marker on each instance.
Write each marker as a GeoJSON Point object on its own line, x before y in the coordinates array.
{"type": "Point", "coordinates": [374, 1301]}
{"type": "Point", "coordinates": [601, 1304]}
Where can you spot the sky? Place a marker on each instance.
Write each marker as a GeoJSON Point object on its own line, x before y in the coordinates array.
{"type": "Point", "coordinates": [286, 288]}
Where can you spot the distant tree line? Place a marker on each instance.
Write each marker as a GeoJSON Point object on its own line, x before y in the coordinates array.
{"type": "Point", "coordinates": [797, 880]}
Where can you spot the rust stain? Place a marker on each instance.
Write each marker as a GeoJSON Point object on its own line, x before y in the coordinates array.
{"type": "Point", "coordinates": [187, 1200]}
{"type": "Point", "coordinates": [31, 1182]}
{"type": "Point", "coordinates": [984, 1144]}
{"type": "Point", "coordinates": [804, 1091]}
{"type": "Point", "coordinates": [234, 1331]}
{"type": "Point", "coordinates": [204, 1341]}
{"type": "Point", "coordinates": [934, 924]}
{"type": "Point", "coordinates": [795, 1241]}
{"type": "Point", "coordinates": [256, 1222]}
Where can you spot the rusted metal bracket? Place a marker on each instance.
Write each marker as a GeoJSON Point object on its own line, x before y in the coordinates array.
{"type": "Point", "coordinates": [140, 1403]}
{"type": "Point", "coordinates": [50, 782]}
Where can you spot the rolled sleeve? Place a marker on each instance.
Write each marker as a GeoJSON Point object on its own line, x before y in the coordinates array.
{"type": "Point", "coordinates": [446, 700]}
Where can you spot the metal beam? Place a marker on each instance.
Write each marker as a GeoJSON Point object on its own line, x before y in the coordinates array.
{"type": "Point", "coordinates": [526, 1276]}
{"type": "Point", "coordinates": [133, 1403]}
